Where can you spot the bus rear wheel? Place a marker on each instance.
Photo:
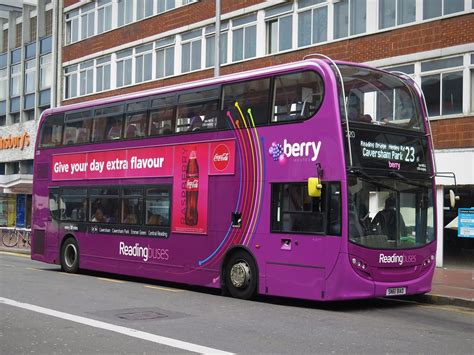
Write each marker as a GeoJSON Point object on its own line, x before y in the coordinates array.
{"type": "Point", "coordinates": [241, 275]}
{"type": "Point", "coordinates": [70, 256]}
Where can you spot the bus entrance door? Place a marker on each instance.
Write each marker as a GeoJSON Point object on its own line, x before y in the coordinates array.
{"type": "Point", "coordinates": [292, 269]}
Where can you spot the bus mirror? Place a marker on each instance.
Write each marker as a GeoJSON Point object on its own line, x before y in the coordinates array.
{"type": "Point", "coordinates": [453, 198]}
{"type": "Point", "coordinates": [314, 187]}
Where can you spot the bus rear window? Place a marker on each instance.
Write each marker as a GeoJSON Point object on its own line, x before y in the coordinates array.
{"type": "Point", "coordinates": [51, 131]}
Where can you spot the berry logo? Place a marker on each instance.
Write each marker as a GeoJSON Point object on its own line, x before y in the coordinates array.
{"type": "Point", "coordinates": [281, 153]}
{"type": "Point", "coordinates": [221, 157]}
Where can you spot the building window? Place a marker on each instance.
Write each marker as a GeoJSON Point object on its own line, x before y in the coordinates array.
{"type": "Point", "coordinates": [86, 77]}
{"type": "Point", "coordinates": [87, 20]}
{"type": "Point", "coordinates": [436, 8]}
{"type": "Point", "coordinates": [244, 38]}
{"type": "Point", "coordinates": [191, 51]}
{"type": "Point", "coordinates": [19, 27]}
{"type": "Point", "coordinates": [211, 43]}
{"type": "Point", "coordinates": [279, 22]}
{"type": "Point", "coordinates": [48, 23]}
{"type": "Point", "coordinates": [144, 8]}
{"type": "Point", "coordinates": [30, 75]}
{"type": "Point", "coordinates": [125, 12]}
{"type": "Point", "coordinates": [143, 63]}
{"type": "Point", "coordinates": [46, 75]}
{"type": "Point", "coordinates": [395, 13]}
{"type": "Point", "coordinates": [312, 23]}
{"type": "Point", "coordinates": [164, 57]}
{"type": "Point", "coordinates": [104, 15]}
{"type": "Point", "coordinates": [3, 84]}
{"type": "Point", "coordinates": [15, 80]}
{"type": "Point", "coordinates": [33, 26]}
{"type": "Point", "coordinates": [5, 40]}
{"type": "Point", "coordinates": [442, 84]}
{"type": "Point", "coordinates": [165, 5]}
{"type": "Point", "coordinates": [72, 26]}
{"type": "Point", "coordinates": [349, 18]}
{"type": "Point", "coordinates": [70, 77]}
{"type": "Point", "coordinates": [124, 68]}
{"type": "Point", "coordinates": [103, 78]}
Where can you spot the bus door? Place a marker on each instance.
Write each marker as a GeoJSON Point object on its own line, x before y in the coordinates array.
{"type": "Point", "coordinates": [300, 255]}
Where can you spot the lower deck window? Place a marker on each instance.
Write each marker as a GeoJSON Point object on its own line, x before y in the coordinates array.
{"type": "Point", "coordinates": [294, 211]}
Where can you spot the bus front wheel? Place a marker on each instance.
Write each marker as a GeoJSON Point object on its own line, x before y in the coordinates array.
{"type": "Point", "coordinates": [241, 275]}
{"type": "Point", "coordinates": [70, 256]}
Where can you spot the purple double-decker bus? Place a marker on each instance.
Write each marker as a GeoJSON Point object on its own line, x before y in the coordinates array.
{"type": "Point", "coordinates": [311, 180]}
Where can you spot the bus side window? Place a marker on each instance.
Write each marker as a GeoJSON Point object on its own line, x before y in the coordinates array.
{"type": "Point", "coordinates": [197, 110]}
{"type": "Point", "coordinates": [334, 209]}
{"type": "Point", "coordinates": [251, 95]}
{"type": "Point", "coordinates": [297, 96]}
{"type": "Point", "coordinates": [75, 204]}
{"type": "Point", "coordinates": [54, 204]}
{"type": "Point", "coordinates": [108, 123]}
{"type": "Point", "coordinates": [162, 115]}
{"type": "Point", "coordinates": [52, 131]}
{"type": "Point", "coordinates": [77, 128]}
{"type": "Point", "coordinates": [294, 211]}
{"type": "Point", "coordinates": [136, 119]}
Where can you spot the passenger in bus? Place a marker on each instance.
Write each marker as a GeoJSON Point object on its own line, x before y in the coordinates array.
{"type": "Point", "coordinates": [130, 219]}
{"type": "Point", "coordinates": [354, 110]}
{"type": "Point", "coordinates": [155, 220]}
{"type": "Point", "coordinates": [99, 216]}
{"type": "Point", "coordinates": [385, 221]}
{"type": "Point", "coordinates": [196, 122]}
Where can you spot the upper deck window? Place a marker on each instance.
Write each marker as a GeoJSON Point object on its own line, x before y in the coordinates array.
{"type": "Point", "coordinates": [245, 98]}
{"type": "Point", "coordinates": [51, 131]}
{"type": "Point", "coordinates": [77, 127]}
{"type": "Point", "coordinates": [375, 97]}
{"type": "Point", "coordinates": [297, 96]}
{"type": "Point", "coordinates": [107, 123]}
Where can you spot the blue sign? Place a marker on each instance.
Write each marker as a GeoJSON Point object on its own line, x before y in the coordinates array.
{"type": "Point", "coordinates": [466, 222]}
{"type": "Point", "coordinates": [20, 210]}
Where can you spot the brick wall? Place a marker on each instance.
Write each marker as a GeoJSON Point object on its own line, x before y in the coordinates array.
{"type": "Point", "coordinates": [453, 133]}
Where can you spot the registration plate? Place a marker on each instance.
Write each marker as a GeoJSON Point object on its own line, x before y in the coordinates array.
{"type": "Point", "coordinates": [396, 291]}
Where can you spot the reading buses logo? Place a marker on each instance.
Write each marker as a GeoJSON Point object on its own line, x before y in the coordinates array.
{"type": "Point", "coordinates": [398, 259]}
{"type": "Point", "coordinates": [145, 253]}
{"type": "Point", "coordinates": [297, 150]}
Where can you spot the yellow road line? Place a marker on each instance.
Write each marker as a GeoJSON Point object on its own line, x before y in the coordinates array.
{"type": "Point", "coordinates": [34, 269]}
{"type": "Point", "coordinates": [455, 309]}
{"type": "Point", "coordinates": [15, 254]}
{"type": "Point", "coordinates": [164, 289]}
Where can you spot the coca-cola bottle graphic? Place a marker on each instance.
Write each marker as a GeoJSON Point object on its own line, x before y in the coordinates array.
{"type": "Point", "coordinates": [192, 190]}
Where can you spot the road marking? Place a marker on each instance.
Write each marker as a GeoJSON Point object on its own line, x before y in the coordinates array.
{"type": "Point", "coordinates": [164, 289]}
{"type": "Point", "coordinates": [15, 254]}
{"type": "Point", "coordinates": [174, 343]}
{"type": "Point", "coordinates": [455, 309]}
{"type": "Point", "coordinates": [34, 269]}
{"type": "Point", "coordinates": [110, 280]}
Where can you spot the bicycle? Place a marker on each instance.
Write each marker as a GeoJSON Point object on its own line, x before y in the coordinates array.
{"type": "Point", "coordinates": [11, 236]}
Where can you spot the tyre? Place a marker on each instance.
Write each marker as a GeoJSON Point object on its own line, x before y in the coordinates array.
{"type": "Point", "coordinates": [70, 256]}
{"type": "Point", "coordinates": [241, 275]}
{"type": "Point", "coordinates": [9, 238]}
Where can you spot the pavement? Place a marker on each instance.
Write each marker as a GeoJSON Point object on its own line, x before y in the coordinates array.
{"type": "Point", "coordinates": [452, 285]}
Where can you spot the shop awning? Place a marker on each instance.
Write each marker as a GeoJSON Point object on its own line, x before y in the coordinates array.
{"type": "Point", "coordinates": [16, 184]}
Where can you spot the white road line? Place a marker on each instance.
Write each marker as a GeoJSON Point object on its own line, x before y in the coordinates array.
{"type": "Point", "coordinates": [115, 328]}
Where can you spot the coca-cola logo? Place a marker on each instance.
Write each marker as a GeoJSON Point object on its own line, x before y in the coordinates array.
{"type": "Point", "coordinates": [192, 184]}
{"type": "Point", "coordinates": [221, 157]}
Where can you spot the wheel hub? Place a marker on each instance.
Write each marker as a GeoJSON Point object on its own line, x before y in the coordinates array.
{"type": "Point", "coordinates": [240, 275]}
{"type": "Point", "coordinates": [70, 255]}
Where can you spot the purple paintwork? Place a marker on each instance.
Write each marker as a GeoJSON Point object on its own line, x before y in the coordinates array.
{"type": "Point", "coordinates": [312, 266]}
